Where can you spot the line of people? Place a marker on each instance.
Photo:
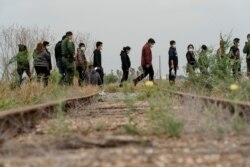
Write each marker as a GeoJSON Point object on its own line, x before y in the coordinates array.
{"type": "Point", "coordinates": [232, 59]}
{"type": "Point", "coordinates": [67, 60]}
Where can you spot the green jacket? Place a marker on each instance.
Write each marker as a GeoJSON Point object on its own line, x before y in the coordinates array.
{"type": "Point", "coordinates": [22, 59]}
{"type": "Point", "coordinates": [203, 60]}
{"type": "Point", "coordinates": [246, 49]}
{"type": "Point", "coordinates": [68, 48]}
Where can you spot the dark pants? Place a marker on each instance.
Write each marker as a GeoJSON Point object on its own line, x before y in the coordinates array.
{"type": "Point", "coordinates": [20, 72]}
{"type": "Point", "coordinates": [68, 64]}
{"type": "Point", "coordinates": [172, 75]}
{"type": "Point", "coordinates": [42, 72]}
{"type": "Point", "coordinates": [236, 69]}
{"type": "Point", "coordinates": [146, 71]}
{"type": "Point", "coordinates": [100, 72]}
{"type": "Point", "coordinates": [125, 75]}
{"type": "Point", "coordinates": [81, 72]}
{"type": "Point", "coordinates": [61, 69]}
{"type": "Point", "coordinates": [248, 67]}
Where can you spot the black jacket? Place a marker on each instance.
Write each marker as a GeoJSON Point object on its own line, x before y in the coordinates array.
{"type": "Point", "coordinates": [58, 51]}
{"type": "Point", "coordinates": [126, 64]}
{"type": "Point", "coordinates": [172, 56]}
{"type": "Point", "coordinates": [97, 58]}
{"type": "Point", "coordinates": [191, 58]}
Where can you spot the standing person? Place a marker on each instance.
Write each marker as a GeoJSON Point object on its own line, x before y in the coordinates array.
{"type": "Point", "coordinates": [68, 53]}
{"type": "Point", "coordinates": [203, 60]}
{"type": "Point", "coordinates": [126, 64]}
{"type": "Point", "coordinates": [93, 77]}
{"type": "Point", "coordinates": [98, 60]}
{"type": "Point", "coordinates": [81, 63]}
{"type": "Point", "coordinates": [22, 58]}
{"type": "Point", "coordinates": [46, 48]}
{"type": "Point", "coordinates": [146, 62]}
{"type": "Point", "coordinates": [235, 58]}
{"type": "Point", "coordinates": [172, 62]}
{"type": "Point", "coordinates": [42, 63]}
{"type": "Point", "coordinates": [221, 51]}
{"type": "Point", "coordinates": [246, 50]}
{"type": "Point", "coordinates": [58, 56]}
{"type": "Point", "coordinates": [191, 61]}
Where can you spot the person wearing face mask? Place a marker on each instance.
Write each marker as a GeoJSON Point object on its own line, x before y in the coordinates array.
{"type": "Point", "coordinates": [125, 63]}
{"type": "Point", "coordinates": [191, 61]}
{"type": "Point", "coordinates": [172, 62]}
{"type": "Point", "coordinates": [146, 62]}
{"type": "Point", "coordinates": [98, 60]}
{"type": "Point", "coordinates": [46, 47]}
{"type": "Point", "coordinates": [81, 63]}
{"type": "Point", "coordinates": [235, 58]}
{"type": "Point", "coordinates": [68, 53]}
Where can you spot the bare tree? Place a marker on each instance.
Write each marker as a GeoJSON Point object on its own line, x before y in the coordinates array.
{"type": "Point", "coordinates": [13, 35]}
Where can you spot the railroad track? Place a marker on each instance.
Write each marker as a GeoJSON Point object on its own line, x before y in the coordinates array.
{"type": "Point", "coordinates": [16, 121]}
{"type": "Point", "coordinates": [243, 108]}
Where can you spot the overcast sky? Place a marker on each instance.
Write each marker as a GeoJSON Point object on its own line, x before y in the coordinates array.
{"type": "Point", "coordinates": [131, 22]}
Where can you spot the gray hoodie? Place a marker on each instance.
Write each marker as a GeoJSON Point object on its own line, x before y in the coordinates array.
{"type": "Point", "coordinates": [93, 78]}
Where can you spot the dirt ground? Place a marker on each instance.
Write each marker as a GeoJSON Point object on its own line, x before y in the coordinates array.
{"type": "Point", "coordinates": [94, 136]}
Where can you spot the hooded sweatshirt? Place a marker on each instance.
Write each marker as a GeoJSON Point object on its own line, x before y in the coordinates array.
{"type": "Point", "coordinates": [125, 60]}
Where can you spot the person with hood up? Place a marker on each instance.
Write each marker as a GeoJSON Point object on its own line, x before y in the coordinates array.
{"type": "Point", "coordinates": [125, 63]}
{"type": "Point", "coordinates": [23, 65]}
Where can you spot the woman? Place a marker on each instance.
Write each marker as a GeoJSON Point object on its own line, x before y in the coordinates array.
{"type": "Point", "coordinates": [42, 63]}
{"type": "Point", "coordinates": [125, 63]}
{"type": "Point", "coordinates": [191, 61]}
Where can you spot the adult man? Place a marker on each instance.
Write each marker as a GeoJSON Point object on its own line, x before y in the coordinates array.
{"type": "Point", "coordinates": [58, 56]}
{"type": "Point", "coordinates": [146, 62]}
{"type": "Point", "coordinates": [246, 50]}
{"type": "Point", "coordinates": [98, 60]}
{"type": "Point", "coordinates": [235, 58]}
{"type": "Point", "coordinates": [172, 62]}
{"type": "Point", "coordinates": [81, 63]}
{"type": "Point", "coordinates": [68, 52]}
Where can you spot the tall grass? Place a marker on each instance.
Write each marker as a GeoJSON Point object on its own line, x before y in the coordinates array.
{"type": "Point", "coordinates": [34, 93]}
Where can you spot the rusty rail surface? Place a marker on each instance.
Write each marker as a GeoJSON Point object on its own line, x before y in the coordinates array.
{"type": "Point", "coordinates": [243, 108]}
{"type": "Point", "coordinates": [15, 121]}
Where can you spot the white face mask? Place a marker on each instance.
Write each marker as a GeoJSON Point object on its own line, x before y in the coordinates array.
{"type": "Point", "coordinates": [174, 46]}
{"type": "Point", "coordinates": [47, 47]}
{"type": "Point", "coordinates": [190, 49]}
{"type": "Point", "coordinates": [83, 49]}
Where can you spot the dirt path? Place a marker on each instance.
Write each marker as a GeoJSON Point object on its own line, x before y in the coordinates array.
{"type": "Point", "coordinates": [94, 136]}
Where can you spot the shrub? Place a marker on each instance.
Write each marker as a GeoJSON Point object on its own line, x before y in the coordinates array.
{"type": "Point", "coordinates": [110, 78]}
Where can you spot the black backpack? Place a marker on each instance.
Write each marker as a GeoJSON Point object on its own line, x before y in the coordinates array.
{"type": "Point", "coordinates": [58, 50]}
